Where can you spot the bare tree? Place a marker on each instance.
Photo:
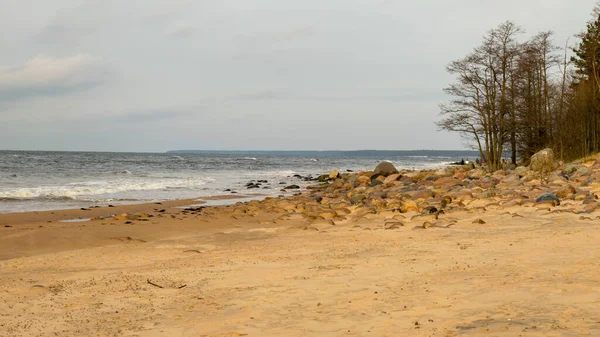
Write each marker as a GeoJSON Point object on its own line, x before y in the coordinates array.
{"type": "Point", "coordinates": [483, 95]}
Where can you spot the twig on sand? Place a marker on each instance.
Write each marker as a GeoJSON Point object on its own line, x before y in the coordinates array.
{"type": "Point", "coordinates": [159, 286]}
{"type": "Point", "coordinates": [192, 251]}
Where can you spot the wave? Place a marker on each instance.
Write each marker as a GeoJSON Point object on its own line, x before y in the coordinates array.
{"type": "Point", "coordinates": [178, 157]}
{"type": "Point", "coordinates": [250, 158]}
{"type": "Point", "coordinates": [127, 172]}
{"type": "Point", "coordinates": [83, 190]}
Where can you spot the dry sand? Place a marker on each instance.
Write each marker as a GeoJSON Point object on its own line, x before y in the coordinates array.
{"type": "Point", "coordinates": [520, 271]}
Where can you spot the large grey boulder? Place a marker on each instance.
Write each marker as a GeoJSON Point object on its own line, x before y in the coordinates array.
{"type": "Point", "coordinates": [385, 169]}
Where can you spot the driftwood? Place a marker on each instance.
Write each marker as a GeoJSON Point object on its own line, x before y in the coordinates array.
{"type": "Point", "coordinates": [162, 287]}
{"type": "Point", "coordinates": [192, 251]}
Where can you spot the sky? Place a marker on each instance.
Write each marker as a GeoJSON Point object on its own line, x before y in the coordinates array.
{"type": "Point", "coordinates": [157, 75]}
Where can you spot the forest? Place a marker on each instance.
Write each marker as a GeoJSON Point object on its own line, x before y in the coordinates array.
{"type": "Point", "coordinates": [513, 97]}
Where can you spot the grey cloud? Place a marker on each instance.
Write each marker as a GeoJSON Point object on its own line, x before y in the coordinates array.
{"type": "Point", "coordinates": [70, 26]}
{"type": "Point", "coordinates": [44, 76]}
{"type": "Point", "coordinates": [243, 74]}
{"type": "Point", "coordinates": [153, 115]}
{"type": "Point", "coordinates": [404, 97]}
{"type": "Point", "coordinates": [180, 31]}
{"type": "Point", "coordinates": [278, 37]}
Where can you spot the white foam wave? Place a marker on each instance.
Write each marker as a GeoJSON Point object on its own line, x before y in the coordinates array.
{"type": "Point", "coordinates": [282, 173]}
{"type": "Point", "coordinates": [79, 190]}
{"type": "Point", "coordinates": [250, 158]}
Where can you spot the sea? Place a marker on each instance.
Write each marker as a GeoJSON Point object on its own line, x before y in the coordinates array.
{"type": "Point", "coordinates": [36, 181]}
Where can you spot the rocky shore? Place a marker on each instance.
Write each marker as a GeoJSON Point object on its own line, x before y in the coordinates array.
{"type": "Point", "coordinates": [456, 251]}
{"type": "Point", "coordinates": [422, 199]}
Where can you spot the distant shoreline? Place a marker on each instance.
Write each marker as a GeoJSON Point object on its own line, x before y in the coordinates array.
{"type": "Point", "coordinates": [339, 153]}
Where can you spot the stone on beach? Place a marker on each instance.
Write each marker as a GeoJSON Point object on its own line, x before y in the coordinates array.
{"type": "Point", "coordinates": [385, 169]}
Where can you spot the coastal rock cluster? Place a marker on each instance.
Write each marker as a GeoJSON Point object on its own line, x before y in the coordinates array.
{"type": "Point", "coordinates": [386, 198]}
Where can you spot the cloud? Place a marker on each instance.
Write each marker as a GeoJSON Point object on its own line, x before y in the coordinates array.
{"type": "Point", "coordinates": [383, 96]}
{"type": "Point", "coordinates": [71, 26]}
{"type": "Point", "coordinates": [45, 76]}
{"type": "Point", "coordinates": [144, 116]}
{"type": "Point", "coordinates": [180, 30]}
{"type": "Point", "coordinates": [293, 34]}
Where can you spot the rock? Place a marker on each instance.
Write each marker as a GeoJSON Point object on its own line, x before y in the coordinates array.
{"type": "Point", "coordinates": [291, 187]}
{"type": "Point", "coordinates": [548, 198]}
{"type": "Point", "coordinates": [317, 199]}
{"type": "Point", "coordinates": [357, 199]}
{"type": "Point", "coordinates": [570, 169]}
{"type": "Point", "coordinates": [385, 169]}
{"type": "Point", "coordinates": [363, 180]}
{"type": "Point", "coordinates": [122, 216]}
{"type": "Point", "coordinates": [430, 210]}
{"type": "Point", "coordinates": [409, 206]}
{"type": "Point", "coordinates": [543, 162]}
{"type": "Point", "coordinates": [334, 174]}
{"type": "Point", "coordinates": [590, 208]}
{"type": "Point", "coordinates": [322, 178]}
{"type": "Point", "coordinates": [489, 194]}
{"type": "Point", "coordinates": [393, 224]}
{"type": "Point", "coordinates": [375, 182]}
{"type": "Point", "coordinates": [477, 173]}
{"type": "Point", "coordinates": [521, 170]}
{"type": "Point", "coordinates": [566, 192]}
{"type": "Point", "coordinates": [391, 178]}
{"type": "Point", "coordinates": [513, 178]}
{"type": "Point", "coordinates": [423, 194]}
{"type": "Point", "coordinates": [442, 172]}
{"type": "Point", "coordinates": [479, 221]}
{"type": "Point", "coordinates": [582, 171]}
{"type": "Point", "coordinates": [446, 200]}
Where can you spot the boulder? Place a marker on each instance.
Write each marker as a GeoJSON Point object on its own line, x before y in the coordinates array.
{"type": "Point", "coordinates": [363, 180]}
{"type": "Point", "coordinates": [357, 199]}
{"type": "Point", "coordinates": [548, 198]}
{"type": "Point", "coordinates": [292, 187]}
{"type": "Point", "coordinates": [520, 171]}
{"type": "Point", "coordinates": [323, 178]}
{"type": "Point", "coordinates": [334, 174]}
{"type": "Point", "coordinates": [566, 192]}
{"type": "Point", "coordinates": [385, 169]}
{"type": "Point", "coordinates": [376, 182]}
{"type": "Point", "coordinates": [543, 162]}
{"type": "Point", "coordinates": [392, 177]}
{"type": "Point", "coordinates": [409, 206]}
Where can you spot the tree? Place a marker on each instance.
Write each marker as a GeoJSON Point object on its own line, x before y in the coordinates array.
{"type": "Point", "coordinates": [535, 113]}
{"type": "Point", "coordinates": [483, 94]}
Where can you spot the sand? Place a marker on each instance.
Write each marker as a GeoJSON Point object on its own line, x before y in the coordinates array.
{"type": "Point", "coordinates": [221, 271]}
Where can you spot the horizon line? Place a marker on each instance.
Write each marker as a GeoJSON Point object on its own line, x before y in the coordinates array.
{"type": "Point", "coordinates": [204, 150]}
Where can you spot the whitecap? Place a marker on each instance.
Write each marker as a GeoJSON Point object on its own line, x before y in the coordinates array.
{"type": "Point", "coordinates": [82, 190]}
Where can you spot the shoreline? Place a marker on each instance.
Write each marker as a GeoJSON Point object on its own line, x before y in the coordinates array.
{"type": "Point", "coordinates": [58, 215]}
{"type": "Point", "coordinates": [449, 252]}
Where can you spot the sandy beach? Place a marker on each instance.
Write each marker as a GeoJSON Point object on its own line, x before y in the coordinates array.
{"type": "Point", "coordinates": [351, 257]}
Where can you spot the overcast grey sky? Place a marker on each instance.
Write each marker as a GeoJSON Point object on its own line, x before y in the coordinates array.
{"type": "Point", "coordinates": [154, 75]}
